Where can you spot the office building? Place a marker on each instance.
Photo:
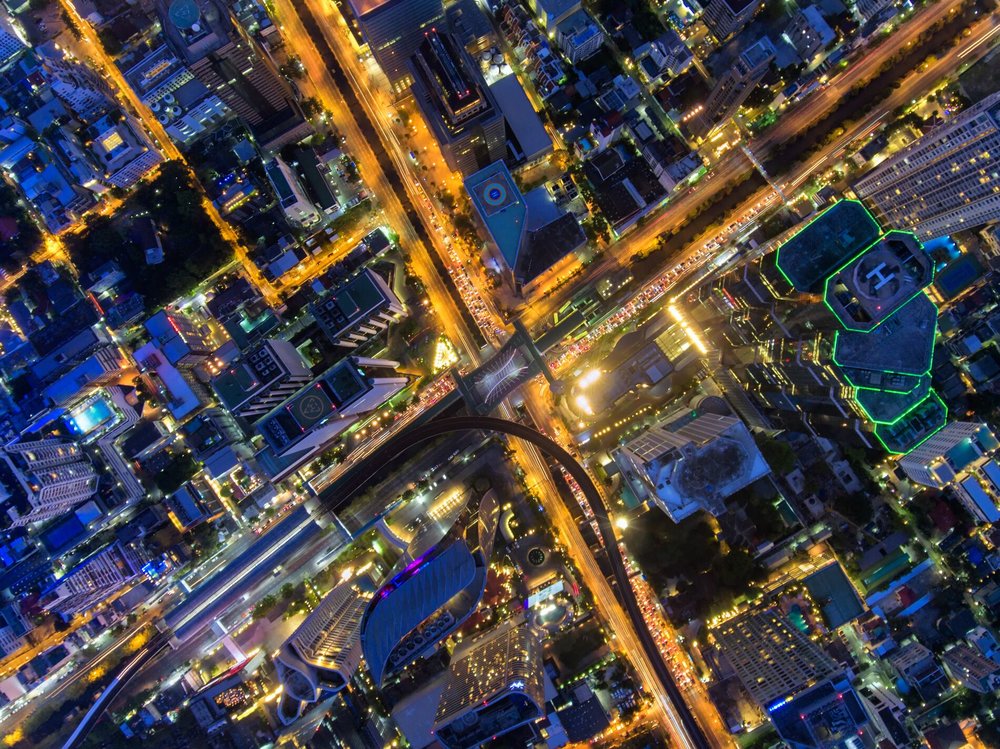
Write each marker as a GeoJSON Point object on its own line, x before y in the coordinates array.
{"type": "Point", "coordinates": [494, 685]}
{"type": "Point", "coordinates": [531, 236]}
{"type": "Point", "coordinates": [961, 456]}
{"type": "Point", "coordinates": [436, 586]}
{"type": "Point", "coordinates": [945, 181]}
{"type": "Point", "coordinates": [830, 715]}
{"type": "Point", "coordinates": [972, 669]}
{"type": "Point", "coordinates": [321, 656]}
{"type": "Point", "coordinates": [358, 310]}
{"type": "Point", "coordinates": [734, 86]}
{"type": "Point", "coordinates": [690, 462]}
{"type": "Point", "coordinates": [95, 580]}
{"type": "Point", "coordinates": [262, 378]}
{"type": "Point", "coordinates": [227, 61]}
{"type": "Point", "coordinates": [393, 29]}
{"type": "Point", "coordinates": [456, 103]}
{"type": "Point", "coordinates": [773, 659]}
{"type": "Point", "coordinates": [809, 32]}
{"type": "Point", "coordinates": [304, 424]}
{"type": "Point", "coordinates": [43, 479]}
{"type": "Point", "coordinates": [833, 331]}
{"type": "Point", "coordinates": [726, 18]}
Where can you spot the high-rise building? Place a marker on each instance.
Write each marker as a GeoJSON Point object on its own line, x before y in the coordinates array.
{"type": "Point", "coordinates": [40, 480]}
{"type": "Point", "coordinates": [11, 47]}
{"type": "Point", "coordinates": [734, 86]}
{"type": "Point", "coordinates": [457, 104]}
{"type": "Point", "coordinates": [78, 86]}
{"type": "Point", "coordinates": [322, 655]}
{"type": "Point", "coordinates": [393, 29]}
{"type": "Point", "coordinates": [304, 424]}
{"type": "Point", "coordinates": [960, 456]}
{"type": "Point", "coordinates": [725, 18]}
{"type": "Point", "coordinates": [691, 462]}
{"type": "Point", "coordinates": [358, 310]}
{"type": "Point", "coordinates": [833, 331]}
{"type": "Point", "coordinates": [773, 659]}
{"type": "Point", "coordinates": [227, 61]}
{"type": "Point", "coordinates": [437, 585]}
{"type": "Point", "coordinates": [945, 181]}
{"type": "Point", "coordinates": [95, 579]}
{"type": "Point", "coordinates": [262, 378]}
{"type": "Point", "coordinates": [494, 685]}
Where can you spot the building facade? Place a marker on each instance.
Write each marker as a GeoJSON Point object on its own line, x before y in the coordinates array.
{"type": "Point", "coordinates": [94, 580]}
{"type": "Point", "coordinates": [493, 686]}
{"type": "Point", "coordinates": [438, 583]}
{"type": "Point", "coordinates": [960, 456]}
{"type": "Point", "coordinates": [228, 62]}
{"type": "Point", "coordinates": [735, 86]}
{"type": "Point", "coordinates": [726, 18]}
{"type": "Point", "coordinates": [41, 480]}
{"type": "Point", "coordinates": [772, 658]}
{"type": "Point", "coordinates": [322, 655]}
{"type": "Point", "coordinates": [945, 181]}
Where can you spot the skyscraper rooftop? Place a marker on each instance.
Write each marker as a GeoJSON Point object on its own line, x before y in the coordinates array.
{"type": "Point", "coordinates": [827, 242]}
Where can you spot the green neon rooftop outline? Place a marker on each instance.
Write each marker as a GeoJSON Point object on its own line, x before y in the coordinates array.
{"type": "Point", "coordinates": [862, 253]}
{"type": "Point", "coordinates": [878, 227]}
{"type": "Point", "coordinates": [890, 422]}
{"type": "Point", "coordinates": [919, 378]}
{"type": "Point", "coordinates": [944, 420]}
{"type": "Point", "coordinates": [930, 365]}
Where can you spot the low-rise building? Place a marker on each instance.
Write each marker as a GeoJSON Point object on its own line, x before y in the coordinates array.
{"type": "Point", "coordinates": [918, 668]}
{"type": "Point", "coordinates": [960, 457]}
{"type": "Point", "coordinates": [972, 669]}
{"type": "Point", "coordinates": [579, 36]}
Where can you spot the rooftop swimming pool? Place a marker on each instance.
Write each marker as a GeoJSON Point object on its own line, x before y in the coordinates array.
{"type": "Point", "coordinates": [85, 419]}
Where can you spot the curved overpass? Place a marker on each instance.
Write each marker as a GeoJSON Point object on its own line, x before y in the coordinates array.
{"type": "Point", "coordinates": [695, 737]}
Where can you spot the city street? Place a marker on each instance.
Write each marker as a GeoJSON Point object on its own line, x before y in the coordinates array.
{"type": "Point", "coordinates": [735, 164]}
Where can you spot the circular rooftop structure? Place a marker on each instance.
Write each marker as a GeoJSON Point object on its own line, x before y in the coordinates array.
{"type": "Point", "coordinates": [184, 14]}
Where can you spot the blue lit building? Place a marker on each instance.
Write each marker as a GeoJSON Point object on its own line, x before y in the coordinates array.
{"type": "Point", "coordinates": [827, 716]}
{"type": "Point", "coordinates": [437, 585]}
